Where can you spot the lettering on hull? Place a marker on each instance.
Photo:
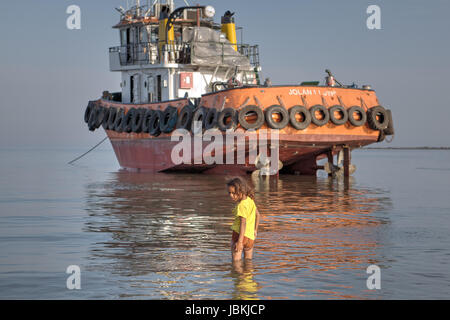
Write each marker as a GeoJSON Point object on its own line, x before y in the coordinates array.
{"type": "Point", "coordinates": [301, 92]}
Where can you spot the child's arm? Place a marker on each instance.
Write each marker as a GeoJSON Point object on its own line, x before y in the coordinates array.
{"type": "Point", "coordinates": [256, 222]}
{"type": "Point", "coordinates": [240, 242]}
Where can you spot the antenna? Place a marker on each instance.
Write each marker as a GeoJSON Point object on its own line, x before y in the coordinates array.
{"type": "Point", "coordinates": [121, 10]}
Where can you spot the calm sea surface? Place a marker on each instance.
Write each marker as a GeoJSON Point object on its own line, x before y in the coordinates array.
{"type": "Point", "coordinates": [167, 236]}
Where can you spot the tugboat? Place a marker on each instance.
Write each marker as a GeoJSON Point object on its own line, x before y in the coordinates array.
{"type": "Point", "coordinates": [181, 71]}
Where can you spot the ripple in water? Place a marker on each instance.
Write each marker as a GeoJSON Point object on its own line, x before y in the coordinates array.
{"type": "Point", "coordinates": [167, 237]}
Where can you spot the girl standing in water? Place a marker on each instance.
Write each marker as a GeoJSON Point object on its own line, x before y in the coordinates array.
{"type": "Point", "coordinates": [246, 218]}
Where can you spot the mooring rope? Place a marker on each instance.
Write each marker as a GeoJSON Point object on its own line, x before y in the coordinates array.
{"type": "Point", "coordinates": [88, 151]}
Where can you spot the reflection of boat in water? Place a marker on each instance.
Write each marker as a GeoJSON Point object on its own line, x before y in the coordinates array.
{"type": "Point", "coordinates": [169, 234]}
{"type": "Point", "coordinates": [178, 66]}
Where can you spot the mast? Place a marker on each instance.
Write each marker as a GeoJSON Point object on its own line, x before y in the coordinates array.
{"type": "Point", "coordinates": [171, 5]}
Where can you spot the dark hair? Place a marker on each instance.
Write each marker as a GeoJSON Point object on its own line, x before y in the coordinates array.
{"type": "Point", "coordinates": [242, 187]}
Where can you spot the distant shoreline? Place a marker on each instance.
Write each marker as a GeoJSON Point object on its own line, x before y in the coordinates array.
{"type": "Point", "coordinates": [406, 148]}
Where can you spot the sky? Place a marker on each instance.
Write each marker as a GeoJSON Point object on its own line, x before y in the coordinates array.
{"type": "Point", "coordinates": [48, 73]}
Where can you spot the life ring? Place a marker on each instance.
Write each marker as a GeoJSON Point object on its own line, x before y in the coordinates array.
{"type": "Point", "coordinates": [148, 114]}
{"type": "Point", "coordinates": [344, 115]}
{"type": "Point", "coordinates": [243, 113]}
{"type": "Point", "coordinates": [118, 123]}
{"type": "Point", "coordinates": [169, 119]}
{"type": "Point", "coordinates": [377, 118]}
{"type": "Point", "coordinates": [105, 118]}
{"type": "Point", "coordinates": [136, 120]}
{"type": "Point", "coordinates": [199, 116]}
{"type": "Point", "coordinates": [154, 123]}
{"type": "Point", "coordinates": [389, 131]}
{"type": "Point", "coordinates": [127, 122]}
{"type": "Point", "coordinates": [362, 116]}
{"type": "Point", "coordinates": [211, 119]}
{"type": "Point", "coordinates": [185, 117]}
{"type": "Point", "coordinates": [227, 113]}
{"type": "Point", "coordinates": [323, 111]}
{"type": "Point", "coordinates": [112, 118]}
{"type": "Point", "coordinates": [283, 114]}
{"type": "Point", "coordinates": [305, 117]}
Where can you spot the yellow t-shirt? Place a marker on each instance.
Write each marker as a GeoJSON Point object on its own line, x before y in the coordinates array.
{"type": "Point", "coordinates": [245, 208]}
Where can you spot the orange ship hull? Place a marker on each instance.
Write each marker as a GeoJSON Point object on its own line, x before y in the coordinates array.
{"type": "Point", "coordinates": [298, 149]}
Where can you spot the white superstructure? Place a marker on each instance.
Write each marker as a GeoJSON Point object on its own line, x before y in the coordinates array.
{"type": "Point", "coordinates": [167, 53]}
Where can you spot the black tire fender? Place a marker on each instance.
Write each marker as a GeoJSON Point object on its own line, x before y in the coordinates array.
{"type": "Point", "coordinates": [306, 115]}
{"type": "Point", "coordinates": [362, 116]}
{"type": "Point", "coordinates": [154, 123]}
{"type": "Point", "coordinates": [283, 113]}
{"type": "Point", "coordinates": [118, 123]}
{"type": "Point", "coordinates": [92, 118]}
{"type": "Point", "coordinates": [147, 117]}
{"type": "Point", "coordinates": [211, 119]}
{"type": "Point", "coordinates": [325, 113]}
{"type": "Point", "coordinates": [381, 136]}
{"type": "Point", "coordinates": [127, 122]}
{"type": "Point", "coordinates": [224, 115]}
{"type": "Point", "coordinates": [105, 118]}
{"type": "Point", "coordinates": [377, 124]}
{"type": "Point", "coordinates": [169, 119]}
{"type": "Point", "coordinates": [100, 115]}
{"type": "Point", "coordinates": [389, 131]}
{"type": "Point", "coordinates": [136, 121]}
{"type": "Point", "coordinates": [185, 117]}
{"type": "Point", "coordinates": [88, 111]}
{"type": "Point", "coordinates": [342, 111]}
{"type": "Point", "coordinates": [112, 118]}
{"type": "Point", "coordinates": [199, 115]}
{"type": "Point", "coordinates": [243, 113]}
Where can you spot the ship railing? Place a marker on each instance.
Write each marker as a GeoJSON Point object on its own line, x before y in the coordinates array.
{"type": "Point", "coordinates": [218, 53]}
{"type": "Point", "coordinates": [132, 54]}
{"type": "Point", "coordinates": [199, 53]}
{"type": "Point", "coordinates": [251, 52]}
{"type": "Point", "coordinates": [224, 53]}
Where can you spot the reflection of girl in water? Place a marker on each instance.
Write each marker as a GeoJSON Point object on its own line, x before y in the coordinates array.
{"type": "Point", "coordinates": [246, 287]}
{"type": "Point", "coordinates": [246, 218]}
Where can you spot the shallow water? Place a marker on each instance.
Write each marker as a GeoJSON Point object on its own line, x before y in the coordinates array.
{"type": "Point", "coordinates": [167, 236]}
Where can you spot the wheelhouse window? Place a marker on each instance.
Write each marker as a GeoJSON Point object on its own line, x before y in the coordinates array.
{"type": "Point", "coordinates": [123, 37]}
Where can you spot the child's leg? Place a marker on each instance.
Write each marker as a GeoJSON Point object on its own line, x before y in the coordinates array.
{"type": "Point", "coordinates": [236, 255]}
{"type": "Point", "coordinates": [248, 248]}
{"type": "Point", "coordinates": [248, 254]}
